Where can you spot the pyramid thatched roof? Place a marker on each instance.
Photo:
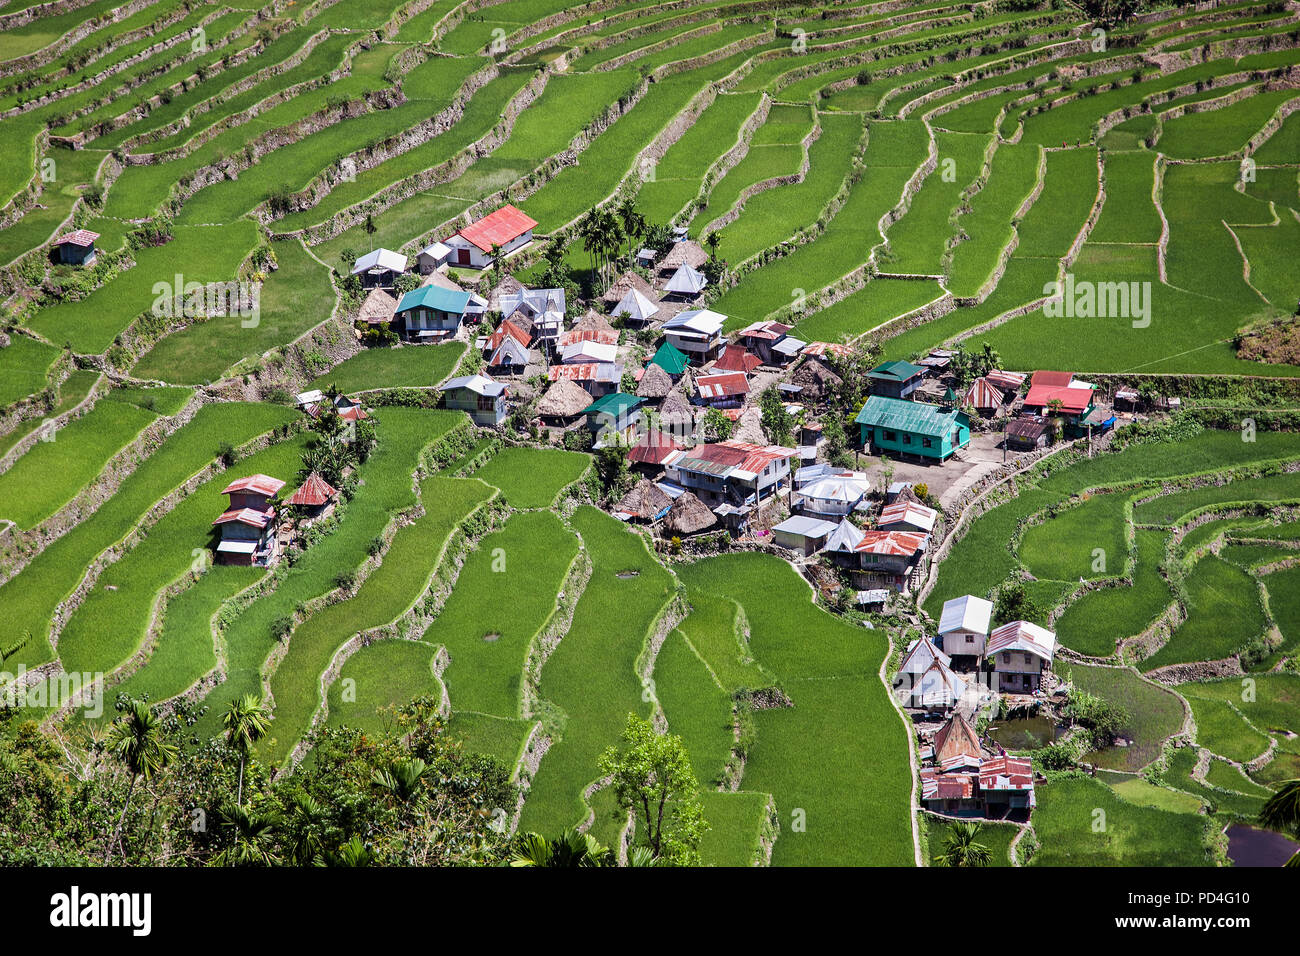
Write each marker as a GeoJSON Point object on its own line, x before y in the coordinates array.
{"type": "Point", "coordinates": [591, 322]}
{"type": "Point", "coordinates": [815, 378]}
{"type": "Point", "coordinates": [644, 501]}
{"type": "Point", "coordinates": [655, 383]}
{"type": "Point", "coordinates": [378, 308]}
{"type": "Point", "coordinates": [676, 408]}
{"type": "Point", "coordinates": [688, 515]}
{"type": "Point", "coordinates": [687, 252]}
{"type": "Point", "coordinates": [564, 399]}
{"type": "Point", "coordinates": [623, 284]}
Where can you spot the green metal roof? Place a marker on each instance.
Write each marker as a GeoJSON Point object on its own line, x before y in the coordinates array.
{"type": "Point", "coordinates": [434, 297]}
{"type": "Point", "coordinates": [915, 417]}
{"type": "Point", "coordinates": [671, 359]}
{"type": "Point", "coordinates": [897, 371]}
{"type": "Point", "coordinates": [615, 403]}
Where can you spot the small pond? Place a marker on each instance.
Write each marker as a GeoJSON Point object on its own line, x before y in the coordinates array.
{"type": "Point", "coordinates": [1251, 846]}
{"type": "Point", "coordinates": [1025, 733]}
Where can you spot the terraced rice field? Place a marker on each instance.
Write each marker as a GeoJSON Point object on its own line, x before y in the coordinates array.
{"type": "Point", "coordinates": [905, 176]}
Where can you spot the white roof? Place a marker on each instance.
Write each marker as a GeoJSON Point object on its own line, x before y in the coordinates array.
{"type": "Point", "coordinates": [966, 613]}
{"type": "Point", "coordinates": [380, 259]}
{"type": "Point", "coordinates": [938, 686]}
{"type": "Point", "coordinates": [480, 384]}
{"type": "Point", "coordinates": [846, 488]}
{"type": "Point", "coordinates": [921, 654]}
{"type": "Point", "coordinates": [846, 537]}
{"type": "Point", "coordinates": [311, 397]}
{"type": "Point", "coordinates": [789, 346]}
{"type": "Point", "coordinates": [686, 281]}
{"type": "Point", "coordinates": [805, 527]}
{"type": "Point", "coordinates": [438, 250]}
{"type": "Point", "coordinates": [636, 305]}
{"type": "Point", "coordinates": [908, 513]}
{"type": "Point", "coordinates": [581, 352]}
{"type": "Point", "coordinates": [699, 321]}
{"type": "Point", "coordinates": [237, 545]}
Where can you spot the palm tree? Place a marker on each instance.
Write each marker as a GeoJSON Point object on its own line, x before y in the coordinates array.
{"type": "Point", "coordinates": [712, 240]}
{"type": "Point", "coordinates": [403, 778]}
{"type": "Point", "coordinates": [353, 853]}
{"type": "Point", "coordinates": [246, 720]}
{"type": "Point", "coordinates": [138, 740]}
{"type": "Point", "coordinates": [569, 850]}
{"type": "Point", "coordinates": [634, 224]}
{"type": "Point", "coordinates": [307, 818]}
{"type": "Point", "coordinates": [253, 845]}
{"type": "Point", "coordinates": [1282, 812]}
{"type": "Point", "coordinates": [961, 848]}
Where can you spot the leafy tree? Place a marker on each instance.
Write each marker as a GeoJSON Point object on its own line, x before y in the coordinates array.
{"type": "Point", "coordinates": [254, 838]}
{"type": "Point", "coordinates": [137, 739]}
{"type": "Point", "coordinates": [652, 778]}
{"type": "Point", "coordinates": [612, 468]}
{"type": "Point", "coordinates": [1014, 603]}
{"type": "Point", "coordinates": [961, 848]}
{"type": "Point", "coordinates": [777, 421]}
{"type": "Point", "coordinates": [716, 426]}
{"type": "Point", "coordinates": [246, 721]}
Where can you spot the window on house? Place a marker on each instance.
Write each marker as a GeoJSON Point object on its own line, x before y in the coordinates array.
{"type": "Point", "coordinates": [970, 638]}
{"type": "Point", "coordinates": [1029, 658]}
{"type": "Point", "coordinates": [891, 436]}
{"type": "Point", "coordinates": [927, 442]}
{"type": "Point", "coordinates": [486, 403]}
{"type": "Point", "coordinates": [907, 439]}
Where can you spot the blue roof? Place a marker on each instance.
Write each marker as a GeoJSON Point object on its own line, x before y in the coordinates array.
{"type": "Point", "coordinates": [434, 297]}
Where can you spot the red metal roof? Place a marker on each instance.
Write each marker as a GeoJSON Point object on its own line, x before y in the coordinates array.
{"type": "Point", "coordinates": [578, 371]}
{"type": "Point", "coordinates": [901, 544]}
{"type": "Point", "coordinates": [983, 394]}
{"type": "Point", "coordinates": [1071, 399]}
{"type": "Point", "coordinates": [765, 331]}
{"type": "Point", "coordinates": [258, 484]}
{"type": "Point", "coordinates": [78, 237]}
{"type": "Point", "coordinates": [735, 358]}
{"type": "Point", "coordinates": [740, 455]}
{"type": "Point", "coordinates": [1007, 773]}
{"type": "Point", "coordinates": [1052, 379]}
{"type": "Point", "coordinates": [508, 328]}
{"type": "Point", "coordinates": [498, 228]}
{"type": "Point", "coordinates": [313, 492]}
{"type": "Point", "coordinates": [653, 448]}
{"type": "Point", "coordinates": [821, 348]}
{"type": "Point", "coordinates": [909, 512]}
{"type": "Point", "coordinates": [724, 385]}
{"type": "Point", "coordinates": [1006, 380]}
{"type": "Point", "coordinates": [599, 336]}
{"type": "Point", "coordinates": [249, 516]}
{"type": "Point", "coordinates": [946, 786]}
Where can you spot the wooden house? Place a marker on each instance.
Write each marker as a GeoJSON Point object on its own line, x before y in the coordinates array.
{"type": "Point", "coordinates": [379, 268]}
{"type": "Point", "coordinates": [1020, 652]}
{"type": "Point", "coordinates": [964, 626]}
{"type": "Point", "coordinates": [76, 248]}
{"type": "Point", "coordinates": [247, 526]}
{"type": "Point", "coordinates": [803, 534]}
{"type": "Point", "coordinates": [315, 497]}
{"type": "Point", "coordinates": [697, 333]}
{"type": "Point", "coordinates": [907, 516]}
{"type": "Point", "coordinates": [1027, 433]}
{"type": "Point", "coordinates": [430, 313]}
{"type": "Point", "coordinates": [482, 398]}
{"type": "Point", "coordinates": [732, 472]}
{"type": "Point", "coordinates": [614, 419]}
{"type": "Point", "coordinates": [722, 390]}
{"type": "Point", "coordinates": [896, 379]}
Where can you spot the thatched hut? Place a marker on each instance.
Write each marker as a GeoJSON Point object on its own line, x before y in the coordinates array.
{"type": "Point", "coordinates": [815, 379]}
{"type": "Point", "coordinates": [378, 308]}
{"type": "Point", "coordinates": [592, 321]}
{"type": "Point", "coordinates": [655, 383]}
{"type": "Point", "coordinates": [623, 285]}
{"type": "Point", "coordinates": [676, 416]}
{"type": "Point", "coordinates": [563, 403]}
{"type": "Point", "coordinates": [646, 501]}
{"type": "Point", "coordinates": [689, 515]}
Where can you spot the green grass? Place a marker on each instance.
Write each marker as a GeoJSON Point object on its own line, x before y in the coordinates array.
{"type": "Point", "coordinates": [1166, 509]}
{"type": "Point", "coordinates": [811, 757]}
{"type": "Point", "coordinates": [1070, 188]}
{"type": "Point", "coordinates": [199, 254]}
{"type": "Point", "coordinates": [31, 596]}
{"type": "Point", "coordinates": [390, 590]}
{"type": "Point", "coordinates": [590, 680]}
{"type": "Point", "coordinates": [1268, 701]}
{"type": "Point", "coordinates": [506, 593]}
{"type": "Point", "coordinates": [24, 368]}
{"type": "Point", "coordinates": [1065, 547]}
{"type": "Point", "coordinates": [1096, 621]}
{"type": "Point", "coordinates": [918, 240]}
{"type": "Point", "coordinates": [988, 224]}
{"type": "Point", "coordinates": [52, 472]}
{"type": "Point", "coordinates": [1139, 791]}
{"type": "Point", "coordinates": [1224, 775]}
{"type": "Point", "coordinates": [1223, 613]}
{"type": "Point", "coordinates": [1221, 729]}
{"type": "Point", "coordinates": [378, 680]}
{"type": "Point", "coordinates": [71, 393]}
{"type": "Point", "coordinates": [533, 478]}
{"type": "Point", "coordinates": [1155, 713]}
{"type": "Point", "coordinates": [697, 708]}
{"type": "Point", "coordinates": [1066, 823]}
{"type": "Point", "coordinates": [1179, 774]}
{"type": "Point", "coordinates": [875, 303]}
{"type": "Point", "coordinates": [996, 837]}
{"type": "Point", "coordinates": [413, 366]}
{"type": "Point", "coordinates": [736, 822]}
{"type": "Point", "coordinates": [1129, 214]}
{"type": "Point", "coordinates": [1220, 132]}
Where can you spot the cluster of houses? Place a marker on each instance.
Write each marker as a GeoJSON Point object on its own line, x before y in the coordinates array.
{"type": "Point", "coordinates": [953, 676]}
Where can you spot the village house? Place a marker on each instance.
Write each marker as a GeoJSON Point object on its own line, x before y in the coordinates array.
{"type": "Point", "coordinates": [964, 626]}
{"type": "Point", "coordinates": [937, 688]}
{"type": "Point", "coordinates": [315, 498]}
{"type": "Point", "coordinates": [1027, 433]}
{"type": "Point", "coordinates": [430, 313]}
{"type": "Point", "coordinates": [983, 396]}
{"type": "Point", "coordinates": [632, 298]}
{"type": "Point", "coordinates": [379, 268]}
{"type": "Point", "coordinates": [685, 284]}
{"type": "Point", "coordinates": [907, 516]}
{"type": "Point", "coordinates": [895, 379]}
{"type": "Point", "coordinates": [378, 309]}
{"type": "Point", "coordinates": [823, 492]}
{"type": "Point", "coordinates": [645, 502]}
{"type": "Point", "coordinates": [761, 337]}
{"type": "Point", "coordinates": [919, 657]}
{"type": "Point", "coordinates": [247, 527]}
{"type": "Point", "coordinates": [563, 405]}
{"type": "Point", "coordinates": [1020, 652]}
{"type": "Point", "coordinates": [506, 349]}
{"type": "Point", "coordinates": [484, 399]}
{"type": "Point", "coordinates": [614, 419]}
{"type": "Point", "coordinates": [586, 351]}
{"type": "Point", "coordinates": [1062, 395]}
{"type": "Point", "coordinates": [735, 358]}
{"type": "Point", "coordinates": [508, 229]}
{"type": "Point", "coordinates": [76, 248]}
{"type": "Point", "coordinates": [889, 559]}
{"type": "Point", "coordinates": [732, 472]}
{"type": "Point", "coordinates": [965, 780]}
{"type": "Point", "coordinates": [596, 378]}
{"type": "Point", "coordinates": [542, 308]}
{"type": "Point", "coordinates": [803, 534]}
{"type": "Point", "coordinates": [722, 390]}
{"type": "Point", "coordinates": [671, 359]}
{"type": "Point", "coordinates": [895, 427]}
{"type": "Point", "coordinates": [697, 333]}
{"type": "Point", "coordinates": [685, 252]}
{"type": "Point", "coordinates": [650, 451]}
{"type": "Point", "coordinates": [432, 258]}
